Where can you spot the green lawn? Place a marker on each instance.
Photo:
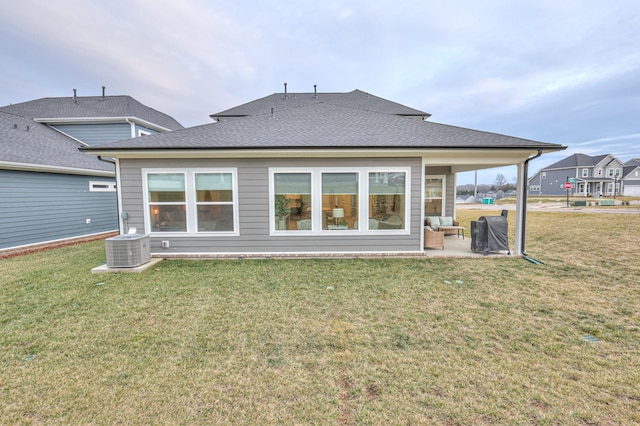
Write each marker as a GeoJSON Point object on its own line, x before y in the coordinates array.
{"type": "Point", "coordinates": [395, 341]}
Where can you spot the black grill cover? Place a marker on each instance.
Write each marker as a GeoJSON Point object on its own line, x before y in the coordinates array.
{"type": "Point", "coordinates": [489, 234]}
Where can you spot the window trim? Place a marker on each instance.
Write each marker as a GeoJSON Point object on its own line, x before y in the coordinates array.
{"type": "Point", "coordinates": [190, 202]}
{"type": "Point", "coordinates": [101, 186]}
{"type": "Point", "coordinates": [585, 173]}
{"type": "Point", "coordinates": [316, 200]}
{"type": "Point", "coordinates": [444, 193]}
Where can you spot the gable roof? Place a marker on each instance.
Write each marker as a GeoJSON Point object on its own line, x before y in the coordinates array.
{"type": "Point", "coordinates": [633, 162]}
{"type": "Point", "coordinates": [577, 160]}
{"type": "Point", "coordinates": [324, 125]}
{"type": "Point", "coordinates": [25, 144]}
{"type": "Point", "coordinates": [52, 110]}
{"type": "Point", "coordinates": [355, 99]}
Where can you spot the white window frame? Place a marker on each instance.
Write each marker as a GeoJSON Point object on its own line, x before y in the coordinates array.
{"type": "Point", "coordinates": [101, 186]}
{"type": "Point", "coordinates": [544, 175]}
{"type": "Point", "coordinates": [190, 201]}
{"type": "Point", "coordinates": [444, 194]}
{"type": "Point", "coordinates": [585, 173]}
{"type": "Point", "coordinates": [316, 201]}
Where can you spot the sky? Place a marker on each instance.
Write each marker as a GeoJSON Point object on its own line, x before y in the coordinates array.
{"type": "Point", "coordinates": [564, 72]}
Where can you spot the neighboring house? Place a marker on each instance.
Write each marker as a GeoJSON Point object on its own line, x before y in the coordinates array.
{"type": "Point", "coordinates": [600, 175]}
{"type": "Point", "coordinates": [49, 190]}
{"type": "Point", "coordinates": [304, 174]}
{"type": "Point", "coordinates": [631, 178]}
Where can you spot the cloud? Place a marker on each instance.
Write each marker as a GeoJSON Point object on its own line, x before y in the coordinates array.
{"type": "Point", "coordinates": [564, 72]}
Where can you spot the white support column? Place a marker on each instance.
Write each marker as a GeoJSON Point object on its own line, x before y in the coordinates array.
{"type": "Point", "coordinates": [520, 208]}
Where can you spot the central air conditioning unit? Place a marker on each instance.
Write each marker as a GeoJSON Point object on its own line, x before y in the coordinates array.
{"type": "Point", "coordinates": [128, 251]}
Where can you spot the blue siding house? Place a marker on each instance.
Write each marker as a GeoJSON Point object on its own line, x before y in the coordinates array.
{"type": "Point", "coordinates": [49, 190]}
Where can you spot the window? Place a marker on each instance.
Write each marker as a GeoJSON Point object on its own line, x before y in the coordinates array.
{"type": "Point", "coordinates": [334, 200]}
{"type": "Point", "coordinates": [214, 201]}
{"type": "Point", "coordinates": [340, 201]}
{"type": "Point", "coordinates": [387, 201]}
{"type": "Point", "coordinates": [534, 188]}
{"type": "Point", "coordinates": [95, 186]}
{"type": "Point", "coordinates": [585, 172]}
{"type": "Point", "coordinates": [617, 172]}
{"type": "Point", "coordinates": [599, 172]}
{"type": "Point", "coordinates": [191, 201]}
{"type": "Point", "coordinates": [610, 172]}
{"type": "Point", "coordinates": [292, 202]}
{"type": "Point", "coordinates": [544, 175]}
{"type": "Point", "coordinates": [434, 190]}
{"type": "Point", "coordinates": [167, 202]}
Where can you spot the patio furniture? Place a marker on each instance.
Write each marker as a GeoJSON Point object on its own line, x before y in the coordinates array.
{"type": "Point", "coordinates": [450, 230]}
{"type": "Point", "coordinates": [433, 239]}
{"type": "Point", "coordinates": [437, 221]}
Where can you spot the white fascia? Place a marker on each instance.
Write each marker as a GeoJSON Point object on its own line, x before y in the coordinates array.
{"type": "Point", "coordinates": [43, 168]}
{"type": "Point", "coordinates": [102, 120]}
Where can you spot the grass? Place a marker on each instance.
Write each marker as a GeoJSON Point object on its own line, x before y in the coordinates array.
{"type": "Point", "coordinates": [269, 342]}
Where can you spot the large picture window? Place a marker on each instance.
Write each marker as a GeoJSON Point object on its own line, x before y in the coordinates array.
{"type": "Point", "coordinates": [340, 201]}
{"type": "Point", "coordinates": [292, 203]}
{"type": "Point", "coordinates": [191, 201]}
{"type": "Point", "coordinates": [335, 200]}
{"type": "Point", "coordinates": [387, 200]}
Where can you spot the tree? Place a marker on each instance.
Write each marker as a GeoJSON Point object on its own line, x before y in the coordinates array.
{"type": "Point", "coordinates": [500, 181]}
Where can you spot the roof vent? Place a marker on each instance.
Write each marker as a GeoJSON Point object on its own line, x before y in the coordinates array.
{"type": "Point", "coordinates": [315, 91]}
{"type": "Point", "coordinates": [103, 92]}
{"type": "Point", "coordinates": [271, 112]}
{"type": "Point", "coordinates": [75, 96]}
{"type": "Point", "coordinates": [285, 90]}
{"type": "Point", "coordinates": [15, 126]}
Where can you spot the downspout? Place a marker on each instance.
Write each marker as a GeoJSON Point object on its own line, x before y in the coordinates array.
{"type": "Point", "coordinates": [133, 127]}
{"type": "Point", "coordinates": [525, 192]}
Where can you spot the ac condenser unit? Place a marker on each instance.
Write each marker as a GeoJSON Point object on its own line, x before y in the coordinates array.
{"type": "Point", "coordinates": [128, 251]}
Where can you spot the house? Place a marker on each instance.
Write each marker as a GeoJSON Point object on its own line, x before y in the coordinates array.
{"type": "Point", "coordinates": [50, 190]}
{"type": "Point", "coordinates": [631, 178]}
{"type": "Point", "coordinates": [600, 175]}
{"type": "Point", "coordinates": [304, 174]}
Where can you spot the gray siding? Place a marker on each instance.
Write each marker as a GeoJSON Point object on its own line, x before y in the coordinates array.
{"type": "Point", "coordinates": [41, 207]}
{"type": "Point", "coordinates": [254, 204]}
{"type": "Point", "coordinates": [96, 134]}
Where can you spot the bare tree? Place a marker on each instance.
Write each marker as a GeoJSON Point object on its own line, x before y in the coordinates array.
{"type": "Point", "coordinates": [500, 181]}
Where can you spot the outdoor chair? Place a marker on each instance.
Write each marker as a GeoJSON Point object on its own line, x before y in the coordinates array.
{"type": "Point", "coordinates": [433, 239]}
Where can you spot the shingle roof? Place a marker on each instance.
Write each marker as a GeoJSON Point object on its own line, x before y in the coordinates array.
{"type": "Point", "coordinates": [22, 140]}
{"type": "Point", "coordinates": [91, 107]}
{"type": "Point", "coordinates": [576, 160]}
{"type": "Point", "coordinates": [324, 125]}
{"type": "Point", "coordinates": [355, 99]}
